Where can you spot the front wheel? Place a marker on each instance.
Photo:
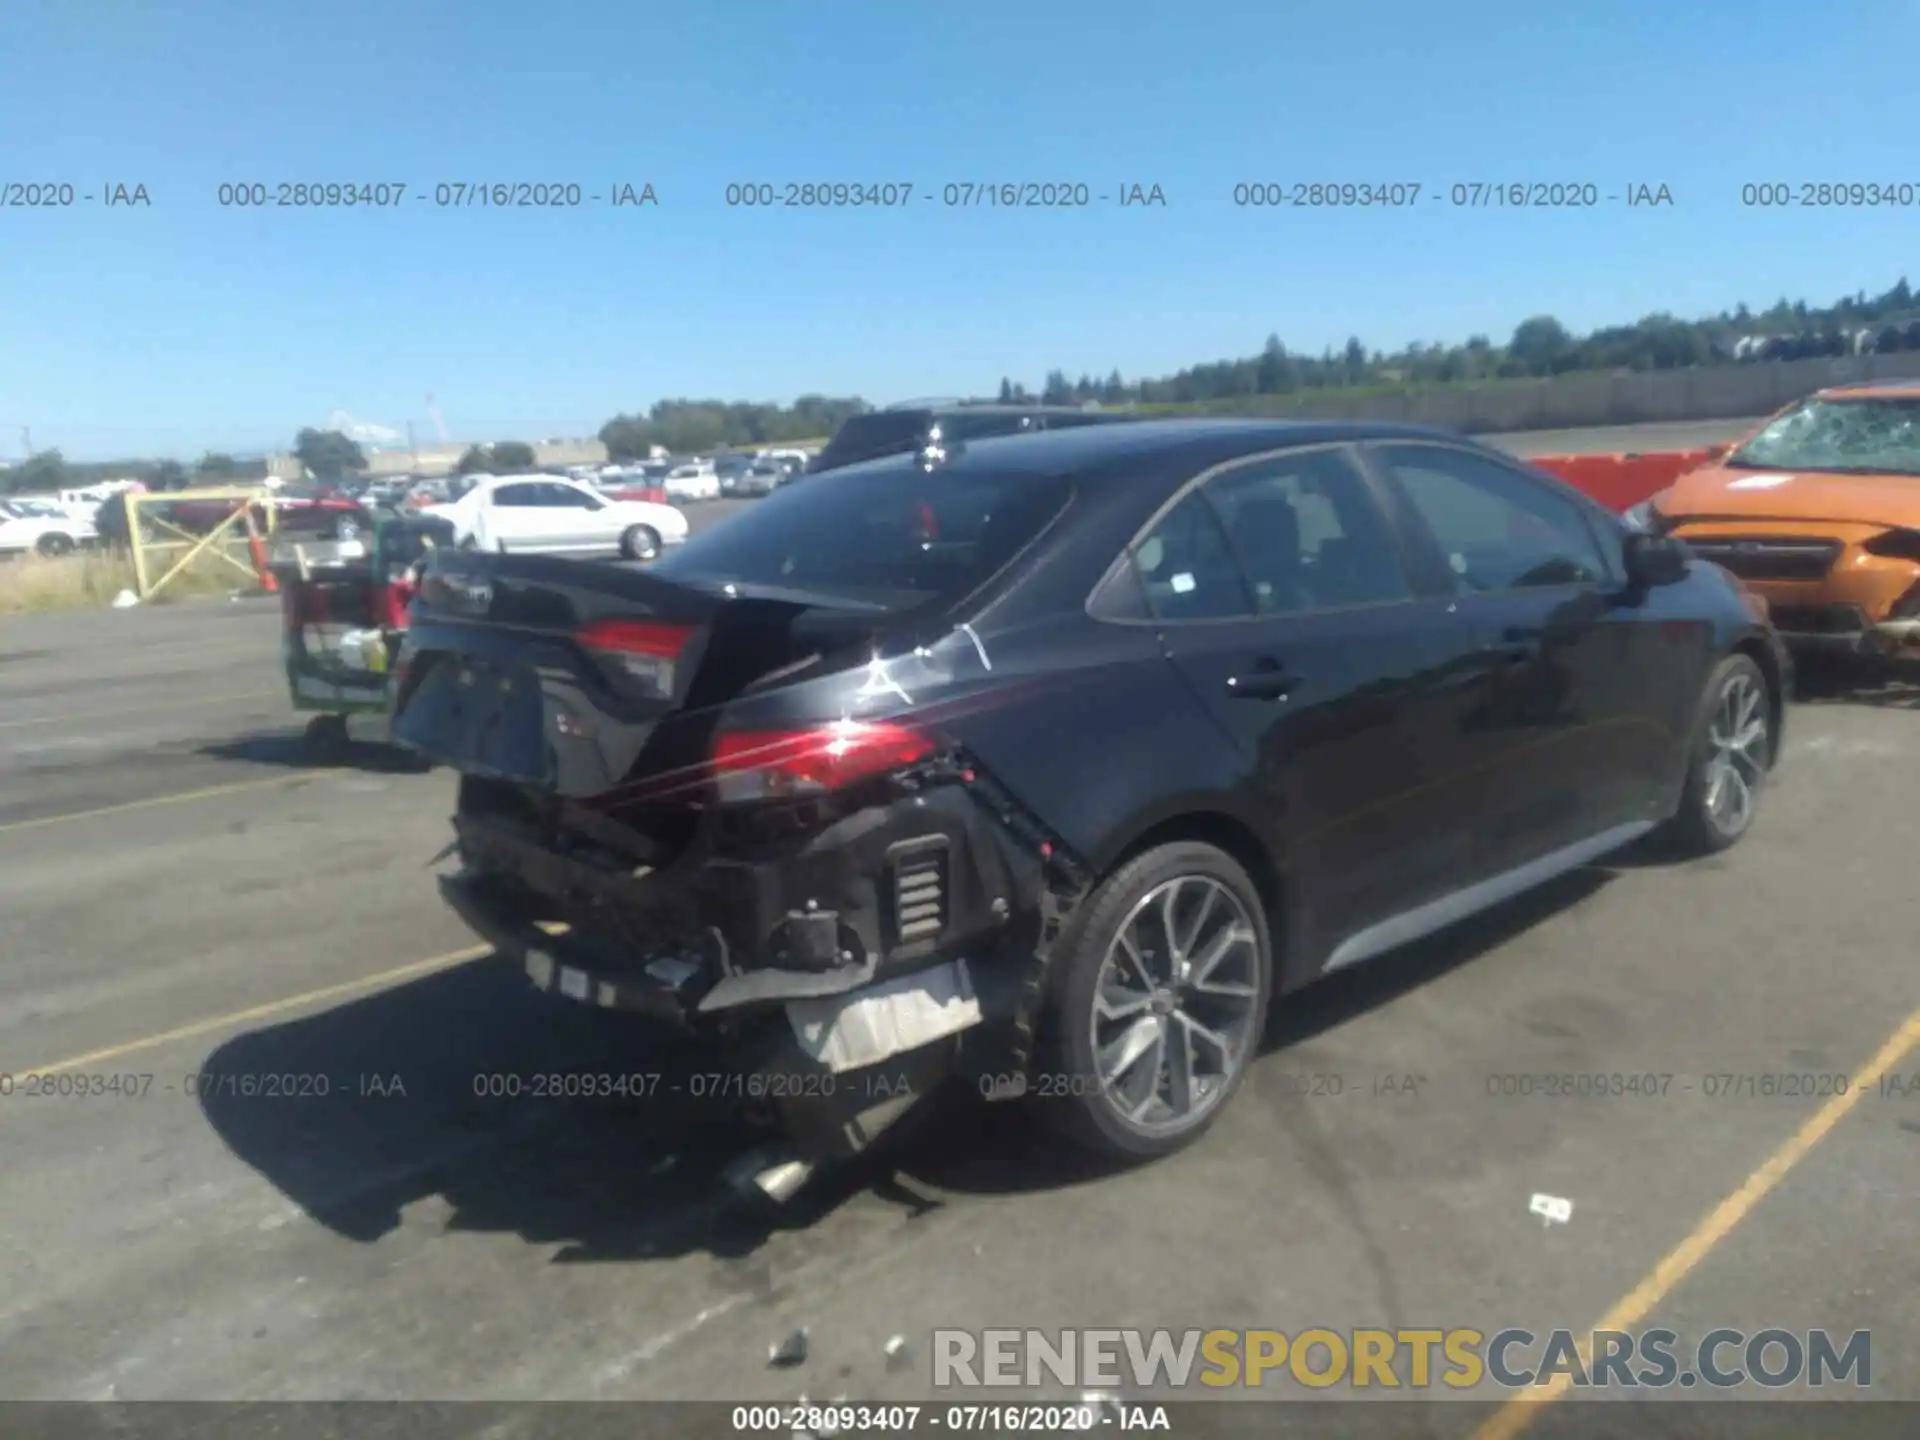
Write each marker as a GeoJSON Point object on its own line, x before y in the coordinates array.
{"type": "Point", "coordinates": [1159, 1005]}
{"type": "Point", "coordinates": [1730, 755]}
{"type": "Point", "coordinates": [640, 542]}
{"type": "Point", "coordinates": [54, 545]}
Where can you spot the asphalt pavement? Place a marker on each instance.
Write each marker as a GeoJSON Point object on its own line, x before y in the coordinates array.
{"type": "Point", "coordinates": [254, 1146]}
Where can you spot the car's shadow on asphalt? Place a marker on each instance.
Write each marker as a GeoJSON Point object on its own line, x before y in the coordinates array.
{"type": "Point", "coordinates": [290, 750]}
{"type": "Point", "coordinates": [467, 1087]}
{"type": "Point", "coordinates": [1875, 682]}
{"type": "Point", "coordinates": [580, 1129]}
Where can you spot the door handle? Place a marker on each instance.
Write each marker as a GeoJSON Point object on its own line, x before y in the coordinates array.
{"type": "Point", "coordinates": [1264, 679]}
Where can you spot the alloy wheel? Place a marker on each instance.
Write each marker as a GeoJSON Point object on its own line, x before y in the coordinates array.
{"type": "Point", "coordinates": [1174, 1004]}
{"type": "Point", "coordinates": [1738, 738]}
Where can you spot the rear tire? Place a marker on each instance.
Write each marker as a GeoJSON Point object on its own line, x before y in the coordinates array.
{"type": "Point", "coordinates": [1730, 754]}
{"type": "Point", "coordinates": [640, 542]}
{"type": "Point", "coordinates": [1175, 948]}
{"type": "Point", "coordinates": [55, 545]}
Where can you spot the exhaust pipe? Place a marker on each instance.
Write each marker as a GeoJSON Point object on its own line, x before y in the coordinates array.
{"type": "Point", "coordinates": [770, 1174]}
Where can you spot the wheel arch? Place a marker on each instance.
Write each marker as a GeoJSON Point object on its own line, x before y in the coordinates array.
{"type": "Point", "coordinates": [1756, 649]}
{"type": "Point", "coordinates": [1212, 822]}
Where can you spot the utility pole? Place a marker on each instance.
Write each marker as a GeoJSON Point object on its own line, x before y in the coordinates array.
{"type": "Point", "coordinates": [26, 440]}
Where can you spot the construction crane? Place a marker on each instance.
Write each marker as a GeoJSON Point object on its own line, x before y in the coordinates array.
{"type": "Point", "coordinates": [439, 421]}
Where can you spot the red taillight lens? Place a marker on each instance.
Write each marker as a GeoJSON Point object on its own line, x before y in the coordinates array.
{"type": "Point", "coordinates": [777, 764]}
{"type": "Point", "coordinates": [646, 652]}
{"type": "Point", "coordinates": [396, 600]}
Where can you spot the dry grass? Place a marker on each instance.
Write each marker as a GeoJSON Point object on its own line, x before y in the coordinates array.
{"type": "Point", "coordinates": [34, 583]}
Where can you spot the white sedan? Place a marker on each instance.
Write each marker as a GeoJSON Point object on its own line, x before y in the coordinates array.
{"type": "Point", "coordinates": [542, 513]}
{"type": "Point", "coordinates": [42, 526]}
{"type": "Point", "coordinates": [691, 482]}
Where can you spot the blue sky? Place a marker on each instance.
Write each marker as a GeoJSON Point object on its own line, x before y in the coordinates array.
{"type": "Point", "coordinates": [186, 326]}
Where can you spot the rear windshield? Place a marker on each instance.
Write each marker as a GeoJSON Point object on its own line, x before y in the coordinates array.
{"type": "Point", "coordinates": [887, 535]}
{"type": "Point", "coordinates": [882, 432]}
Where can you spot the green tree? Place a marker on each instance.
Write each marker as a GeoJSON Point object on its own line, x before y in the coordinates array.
{"type": "Point", "coordinates": [476, 461]}
{"type": "Point", "coordinates": [45, 470]}
{"type": "Point", "coordinates": [328, 455]}
{"type": "Point", "coordinates": [1276, 373]}
{"type": "Point", "coordinates": [215, 466]}
{"type": "Point", "coordinates": [169, 475]}
{"type": "Point", "coordinates": [512, 457]}
{"type": "Point", "coordinates": [1540, 345]}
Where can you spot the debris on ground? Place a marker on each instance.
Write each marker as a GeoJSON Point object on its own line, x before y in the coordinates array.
{"type": "Point", "coordinates": [661, 1166]}
{"type": "Point", "coordinates": [1552, 1208]}
{"type": "Point", "coordinates": [125, 600]}
{"type": "Point", "coordinates": [790, 1351]}
{"type": "Point", "coordinates": [898, 1356]}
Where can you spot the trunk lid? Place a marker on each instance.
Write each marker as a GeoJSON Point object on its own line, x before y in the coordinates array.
{"type": "Point", "coordinates": [573, 677]}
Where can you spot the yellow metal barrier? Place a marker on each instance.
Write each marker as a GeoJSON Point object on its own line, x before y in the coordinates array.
{"type": "Point", "coordinates": [239, 522]}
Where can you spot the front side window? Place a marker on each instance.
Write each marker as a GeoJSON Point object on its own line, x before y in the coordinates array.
{"type": "Point", "coordinates": [1495, 528]}
{"type": "Point", "coordinates": [517, 496]}
{"type": "Point", "coordinates": [569, 498]}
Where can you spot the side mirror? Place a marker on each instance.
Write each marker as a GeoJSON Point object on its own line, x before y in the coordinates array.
{"type": "Point", "coordinates": [1653, 560]}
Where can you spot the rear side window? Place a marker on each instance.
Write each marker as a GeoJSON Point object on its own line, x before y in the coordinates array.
{"type": "Point", "coordinates": [880, 432]}
{"type": "Point", "coordinates": [1186, 567]}
{"type": "Point", "coordinates": [1308, 534]}
{"type": "Point", "coordinates": [893, 535]}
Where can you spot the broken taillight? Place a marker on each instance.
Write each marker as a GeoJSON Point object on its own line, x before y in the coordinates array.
{"type": "Point", "coordinates": [782, 764]}
{"type": "Point", "coordinates": [646, 652]}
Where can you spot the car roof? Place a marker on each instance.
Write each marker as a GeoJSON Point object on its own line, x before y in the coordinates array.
{"type": "Point", "coordinates": [1090, 448]}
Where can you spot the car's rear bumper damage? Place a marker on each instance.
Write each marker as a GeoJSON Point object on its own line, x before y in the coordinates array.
{"type": "Point", "coordinates": [844, 973]}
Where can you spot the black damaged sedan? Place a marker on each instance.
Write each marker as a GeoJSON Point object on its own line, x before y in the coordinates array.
{"type": "Point", "coordinates": [1049, 761]}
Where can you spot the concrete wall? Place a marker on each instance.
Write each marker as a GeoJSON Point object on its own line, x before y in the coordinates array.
{"type": "Point", "coordinates": [1719, 392]}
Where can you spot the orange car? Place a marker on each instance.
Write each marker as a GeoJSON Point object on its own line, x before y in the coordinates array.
{"type": "Point", "coordinates": [1819, 512]}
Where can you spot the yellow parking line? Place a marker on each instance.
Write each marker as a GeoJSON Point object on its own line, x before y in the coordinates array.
{"type": "Point", "coordinates": [138, 706]}
{"type": "Point", "coordinates": [177, 797]}
{"type": "Point", "coordinates": [1513, 1418]}
{"type": "Point", "coordinates": [262, 1012]}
